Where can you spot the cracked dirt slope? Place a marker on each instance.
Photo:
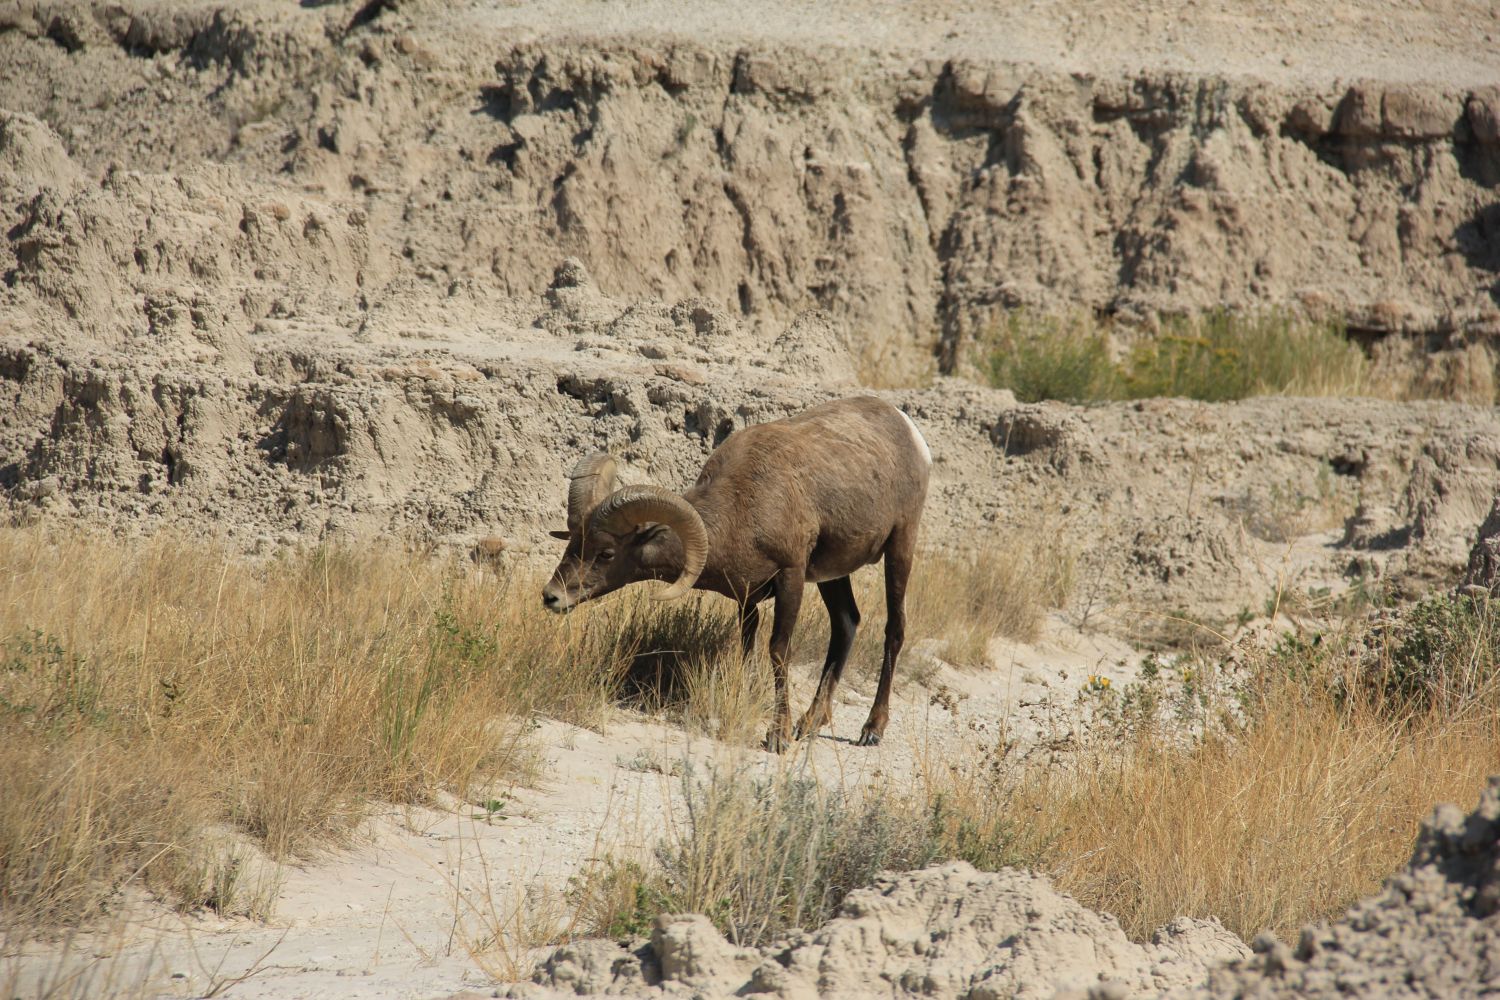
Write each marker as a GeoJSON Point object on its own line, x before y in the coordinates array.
{"type": "Point", "coordinates": [907, 189]}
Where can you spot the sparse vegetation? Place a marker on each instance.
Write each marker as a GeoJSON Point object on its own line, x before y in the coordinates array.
{"type": "Point", "coordinates": [1267, 804]}
{"type": "Point", "coordinates": [1214, 357]}
{"type": "Point", "coordinates": [168, 713]}
{"type": "Point", "coordinates": [1300, 795]}
{"type": "Point", "coordinates": [150, 693]}
{"type": "Point", "coordinates": [760, 855]}
{"type": "Point", "coordinates": [1442, 654]}
{"type": "Point", "coordinates": [1048, 357]}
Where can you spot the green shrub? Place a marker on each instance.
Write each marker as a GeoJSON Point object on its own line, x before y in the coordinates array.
{"type": "Point", "coordinates": [761, 855]}
{"type": "Point", "coordinates": [1223, 356]}
{"type": "Point", "coordinates": [1215, 357]}
{"type": "Point", "coordinates": [1444, 652]}
{"type": "Point", "coordinates": [1041, 358]}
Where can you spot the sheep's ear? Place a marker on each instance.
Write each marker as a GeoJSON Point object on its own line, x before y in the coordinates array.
{"type": "Point", "coordinates": [650, 532]}
{"type": "Point", "coordinates": [562, 534]}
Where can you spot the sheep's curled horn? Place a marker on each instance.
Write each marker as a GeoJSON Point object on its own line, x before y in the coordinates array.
{"type": "Point", "coordinates": [592, 479]}
{"type": "Point", "coordinates": [627, 509]}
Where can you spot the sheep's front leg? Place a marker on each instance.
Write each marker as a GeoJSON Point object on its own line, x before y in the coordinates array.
{"type": "Point", "coordinates": [750, 619]}
{"type": "Point", "coordinates": [898, 559]}
{"type": "Point", "coordinates": [749, 624]}
{"type": "Point", "coordinates": [787, 592]}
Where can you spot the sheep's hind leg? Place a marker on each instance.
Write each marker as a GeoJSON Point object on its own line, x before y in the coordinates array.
{"type": "Point", "coordinates": [843, 621]}
{"type": "Point", "coordinates": [787, 588]}
{"type": "Point", "coordinates": [898, 559]}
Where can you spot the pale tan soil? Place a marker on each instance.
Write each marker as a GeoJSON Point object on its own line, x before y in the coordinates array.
{"type": "Point", "coordinates": [290, 273]}
{"type": "Point", "coordinates": [1298, 42]}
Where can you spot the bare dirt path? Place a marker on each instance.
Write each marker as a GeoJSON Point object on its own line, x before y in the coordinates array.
{"type": "Point", "coordinates": [1452, 43]}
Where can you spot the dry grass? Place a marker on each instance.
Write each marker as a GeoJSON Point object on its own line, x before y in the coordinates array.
{"type": "Point", "coordinates": [170, 713]}
{"type": "Point", "coordinates": [167, 711]}
{"type": "Point", "coordinates": [1295, 799]}
{"type": "Point", "coordinates": [1307, 811]}
{"type": "Point", "coordinates": [759, 853]}
{"type": "Point", "coordinates": [165, 707]}
{"type": "Point", "coordinates": [1288, 815]}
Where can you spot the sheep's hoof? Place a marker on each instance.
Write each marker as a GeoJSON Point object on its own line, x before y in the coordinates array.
{"type": "Point", "coordinates": [806, 728]}
{"type": "Point", "coordinates": [868, 738]}
{"type": "Point", "coordinates": [776, 742]}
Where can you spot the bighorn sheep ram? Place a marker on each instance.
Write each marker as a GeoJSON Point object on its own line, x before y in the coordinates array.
{"type": "Point", "coordinates": [807, 499]}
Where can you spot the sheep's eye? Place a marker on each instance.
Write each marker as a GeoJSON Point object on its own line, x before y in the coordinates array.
{"type": "Point", "coordinates": [606, 555]}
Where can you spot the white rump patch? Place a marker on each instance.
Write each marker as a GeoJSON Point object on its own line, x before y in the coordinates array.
{"type": "Point", "coordinates": [917, 436]}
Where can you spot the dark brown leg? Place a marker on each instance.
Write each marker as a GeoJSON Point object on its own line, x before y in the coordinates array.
{"type": "Point", "coordinates": [787, 590]}
{"type": "Point", "coordinates": [749, 625]}
{"type": "Point", "coordinates": [898, 559]}
{"type": "Point", "coordinates": [843, 621]}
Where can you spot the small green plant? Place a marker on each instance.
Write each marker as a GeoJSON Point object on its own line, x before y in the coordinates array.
{"type": "Point", "coordinates": [1443, 652]}
{"type": "Point", "coordinates": [618, 899]}
{"type": "Point", "coordinates": [1041, 358]}
{"type": "Point", "coordinates": [494, 809]}
{"type": "Point", "coordinates": [42, 680]}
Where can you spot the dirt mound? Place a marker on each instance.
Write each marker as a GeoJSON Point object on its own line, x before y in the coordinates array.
{"type": "Point", "coordinates": [949, 931]}
{"type": "Point", "coordinates": [1484, 558]}
{"type": "Point", "coordinates": [953, 932]}
{"type": "Point", "coordinates": [1432, 932]}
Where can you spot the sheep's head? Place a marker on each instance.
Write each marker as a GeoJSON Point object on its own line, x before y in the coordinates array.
{"type": "Point", "coordinates": [618, 537]}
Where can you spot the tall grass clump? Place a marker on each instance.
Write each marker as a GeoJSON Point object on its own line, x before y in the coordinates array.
{"type": "Point", "coordinates": [166, 707]}
{"type": "Point", "coordinates": [1214, 357]}
{"type": "Point", "coordinates": [1288, 805]}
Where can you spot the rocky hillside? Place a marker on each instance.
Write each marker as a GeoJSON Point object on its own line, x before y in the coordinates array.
{"type": "Point", "coordinates": [333, 268]}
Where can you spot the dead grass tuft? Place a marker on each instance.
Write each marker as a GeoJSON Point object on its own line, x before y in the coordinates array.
{"type": "Point", "coordinates": [1291, 821]}
{"type": "Point", "coordinates": [153, 693]}
{"type": "Point", "coordinates": [1298, 796]}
